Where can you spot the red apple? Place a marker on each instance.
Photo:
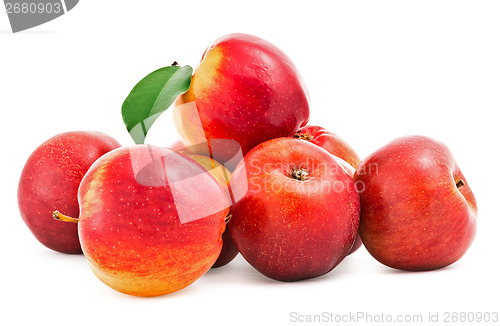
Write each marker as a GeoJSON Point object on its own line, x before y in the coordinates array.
{"type": "Point", "coordinates": [49, 182]}
{"type": "Point", "coordinates": [222, 175]}
{"type": "Point", "coordinates": [418, 211]}
{"type": "Point", "coordinates": [329, 142]}
{"type": "Point", "coordinates": [151, 220]}
{"type": "Point", "coordinates": [299, 210]}
{"type": "Point", "coordinates": [335, 146]}
{"type": "Point", "coordinates": [244, 91]}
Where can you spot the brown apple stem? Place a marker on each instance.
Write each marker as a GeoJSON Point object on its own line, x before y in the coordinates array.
{"type": "Point", "coordinates": [460, 183]}
{"type": "Point", "coordinates": [61, 217]}
{"type": "Point", "coordinates": [300, 174]}
{"type": "Point", "coordinates": [175, 63]}
{"type": "Point", "coordinates": [302, 136]}
{"type": "Point", "coordinates": [228, 218]}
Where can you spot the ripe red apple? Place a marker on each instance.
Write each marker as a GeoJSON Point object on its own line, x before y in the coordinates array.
{"type": "Point", "coordinates": [299, 210]}
{"type": "Point", "coordinates": [222, 175]}
{"type": "Point", "coordinates": [244, 91]}
{"type": "Point", "coordinates": [49, 182]}
{"type": "Point", "coordinates": [151, 220]}
{"type": "Point", "coordinates": [335, 146]}
{"type": "Point", "coordinates": [418, 211]}
{"type": "Point", "coordinates": [330, 142]}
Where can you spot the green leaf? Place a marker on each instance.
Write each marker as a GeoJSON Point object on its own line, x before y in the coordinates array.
{"type": "Point", "coordinates": [151, 97]}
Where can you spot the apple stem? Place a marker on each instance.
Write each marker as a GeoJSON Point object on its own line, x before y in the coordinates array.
{"type": "Point", "coordinates": [228, 218]}
{"type": "Point", "coordinates": [303, 136]}
{"type": "Point", "coordinates": [300, 174]}
{"type": "Point", "coordinates": [61, 217]}
{"type": "Point", "coordinates": [460, 183]}
{"type": "Point", "coordinates": [175, 63]}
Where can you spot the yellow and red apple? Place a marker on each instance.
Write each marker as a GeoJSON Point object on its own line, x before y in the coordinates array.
{"type": "Point", "coordinates": [151, 220]}
{"type": "Point", "coordinates": [245, 91]}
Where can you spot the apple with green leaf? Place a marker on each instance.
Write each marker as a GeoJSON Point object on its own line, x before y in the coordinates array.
{"type": "Point", "coordinates": [244, 91]}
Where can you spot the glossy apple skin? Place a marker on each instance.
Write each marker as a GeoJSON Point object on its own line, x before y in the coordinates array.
{"type": "Point", "coordinates": [50, 180]}
{"type": "Point", "coordinates": [413, 215]}
{"type": "Point", "coordinates": [357, 244]}
{"type": "Point", "coordinates": [222, 175]}
{"type": "Point", "coordinates": [228, 253]}
{"type": "Point", "coordinates": [151, 220]}
{"type": "Point", "coordinates": [330, 142]}
{"type": "Point", "coordinates": [350, 170]}
{"type": "Point", "coordinates": [335, 145]}
{"type": "Point", "coordinates": [244, 92]}
{"type": "Point", "coordinates": [290, 229]}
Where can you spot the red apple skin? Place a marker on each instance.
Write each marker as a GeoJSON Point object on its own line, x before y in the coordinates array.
{"type": "Point", "coordinates": [335, 145]}
{"type": "Point", "coordinates": [414, 217]}
{"type": "Point", "coordinates": [350, 170]}
{"type": "Point", "coordinates": [289, 229]}
{"type": "Point", "coordinates": [357, 244]}
{"type": "Point", "coordinates": [222, 175]}
{"type": "Point", "coordinates": [228, 253]}
{"type": "Point", "coordinates": [50, 180]}
{"type": "Point", "coordinates": [151, 220]}
{"type": "Point", "coordinates": [330, 142]}
{"type": "Point", "coordinates": [245, 91]}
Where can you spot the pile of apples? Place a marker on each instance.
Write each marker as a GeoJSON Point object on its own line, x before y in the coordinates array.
{"type": "Point", "coordinates": [249, 176]}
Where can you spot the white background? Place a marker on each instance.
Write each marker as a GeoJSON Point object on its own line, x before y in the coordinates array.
{"type": "Point", "coordinates": [375, 70]}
